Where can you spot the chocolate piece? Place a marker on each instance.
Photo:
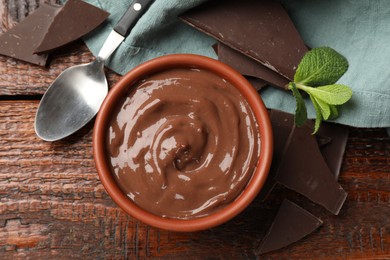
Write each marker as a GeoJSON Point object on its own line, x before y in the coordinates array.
{"type": "Point", "coordinates": [333, 150]}
{"type": "Point", "coordinates": [304, 170]}
{"type": "Point", "coordinates": [21, 41]}
{"type": "Point", "coordinates": [291, 224]}
{"type": "Point", "coordinates": [258, 84]}
{"type": "Point", "coordinates": [250, 67]}
{"type": "Point", "coordinates": [331, 138]}
{"type": "Point", "coordinates": [261, 30]}
{"type": "Point", "coordinates": [75, 19]}
{"type": "Point", "coordinates": [322, 140]}
{"type": "Point", "coordinates": [282, 124]}
{"type": "Point", "coordinates": [215, 47]}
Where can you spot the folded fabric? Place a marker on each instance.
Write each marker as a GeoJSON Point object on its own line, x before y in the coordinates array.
{"type": "Point", "coordinates": [357, 29]}
{"type": "Point", "coordinates": [158, 32]}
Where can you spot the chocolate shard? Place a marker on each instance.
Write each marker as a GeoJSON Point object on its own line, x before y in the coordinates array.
{"type": "Point", "coordinates": [257, 83]}
{"type": "Point", "coordinates": [282, 124]}
{"type": "Point", "coordinates": [75, 19]}
{"type": "Point", "coordinates": [304, 170]}
{"type": "Point", "coordinates": [331, 139]}
{"type": "Point", "coordinates": [261, 30]}
{"type": "Point", "coordinates": [291, 224]}
{"type": "Point", "coordinates": [215, 47]}
{"type": "Point", "coordinates": [21, 41]}
{"type": "Point", "coordinates": [322, 140]}
{"type": "Point", "coordinates": [250, 67]}
{"type": "Point", "coordinates": [333, 149]}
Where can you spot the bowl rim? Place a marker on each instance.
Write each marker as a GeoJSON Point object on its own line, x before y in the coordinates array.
{"type": "Point", "coordinates": [182, 61]}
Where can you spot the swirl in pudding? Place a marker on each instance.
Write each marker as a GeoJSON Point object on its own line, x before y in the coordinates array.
{"type": "Point", "coordinates": [183, 143]}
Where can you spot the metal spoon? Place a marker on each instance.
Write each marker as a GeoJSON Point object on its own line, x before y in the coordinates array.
{"type": "Point", "coordinates": [74, 98]}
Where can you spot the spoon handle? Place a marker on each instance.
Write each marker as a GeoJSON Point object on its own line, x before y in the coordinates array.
{"type": "Point", "coordinates": [129, 19]}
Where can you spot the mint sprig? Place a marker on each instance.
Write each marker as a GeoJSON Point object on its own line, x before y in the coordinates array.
{"type": "Point", "coordinates": [316, 75]}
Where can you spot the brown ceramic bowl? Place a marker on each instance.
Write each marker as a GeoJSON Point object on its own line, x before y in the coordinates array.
{"type": "Point", "coordinates": [182, 61]}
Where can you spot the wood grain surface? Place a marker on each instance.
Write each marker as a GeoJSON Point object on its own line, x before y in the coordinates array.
{"type": "Point", "coordinates": [53, 206]}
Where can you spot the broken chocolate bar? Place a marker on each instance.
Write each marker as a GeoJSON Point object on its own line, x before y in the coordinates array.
{"type": "Point", "coordinates": [282, 124]}
{"type": "Point", "coordinates": [261, 30]}
{"type": "Point", "coordinates": [250, 67]}
{"type": "Point", "coordinates": [331, 139]}
{"type": "Point", "coordinates": [333, 150]}
{"type": "Point", "coordinates": [256, 82]}
{"type": "Point", "coordinates": [312, 178]}
{"type": "Point", "coordinates": [291, 224]}
{"type": "Point", "coordinates": [21, 41]}
{"type": "Point", "coordinates": [75, 19]}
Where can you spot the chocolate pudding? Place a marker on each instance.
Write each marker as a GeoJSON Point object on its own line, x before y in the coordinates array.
{"type": "Point", "coordinates": [183, 143]}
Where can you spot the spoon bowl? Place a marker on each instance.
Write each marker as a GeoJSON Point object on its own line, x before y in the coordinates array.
{"type": "Point", "coordinates": [71, 101]}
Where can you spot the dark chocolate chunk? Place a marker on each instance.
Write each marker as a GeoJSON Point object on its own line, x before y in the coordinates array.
{"type": "Point", "coordinates": [215, 47]}
{"type": "Point", "coordinates": [21, 41]}
{"type": "Point", "coordinates": [331, 138]}
{"type": "Point", "coordinates": [333, 150]}
{"type": "Point", "coordinates": [332, 141]}
{"type": "Point", "coordinates": [261, 30]}
{"type": "Point", "coordinates": [282, 124]}
{"type": "Point", "coordinates": [322, 140]}
{"type": "Point", "coordinates": [303, 169]}
{"type": "Point", "coordinates": [291, 224]}
{"type": "Point", "coordinates": [257, 83]}
{"type": "Point", "coordinates": [250, 67]}
{"type": "Point", "coordinates": [75, 19]}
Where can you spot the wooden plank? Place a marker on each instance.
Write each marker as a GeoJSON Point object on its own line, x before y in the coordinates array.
{"type": "Point", "coordinates": [20, 78]}
{"type": "Point", "coordinates": [52, 204]}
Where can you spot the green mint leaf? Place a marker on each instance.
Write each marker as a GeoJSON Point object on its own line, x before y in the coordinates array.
{"type": "Point", "coordinates": [320, 66]}
{"type": "Point", "coordinates": [317, 74]}
{"type": "Point", "coordinates": [324, 108]}
{"type": "Point", "coordinates": [335, 94]}
{"type": "Point", "coordinates": [300, 111]}
{"type": "Point", "coordinates": [318, 121]}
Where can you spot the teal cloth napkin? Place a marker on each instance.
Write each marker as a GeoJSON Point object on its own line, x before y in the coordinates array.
{"type": "Point", "coordinates": [360, 30]}
{"type": "Point", "coordinates": [158, 32]}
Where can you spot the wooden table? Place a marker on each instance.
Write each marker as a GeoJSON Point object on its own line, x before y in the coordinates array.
{"type": "Point", "coordinates": [52, 204]}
